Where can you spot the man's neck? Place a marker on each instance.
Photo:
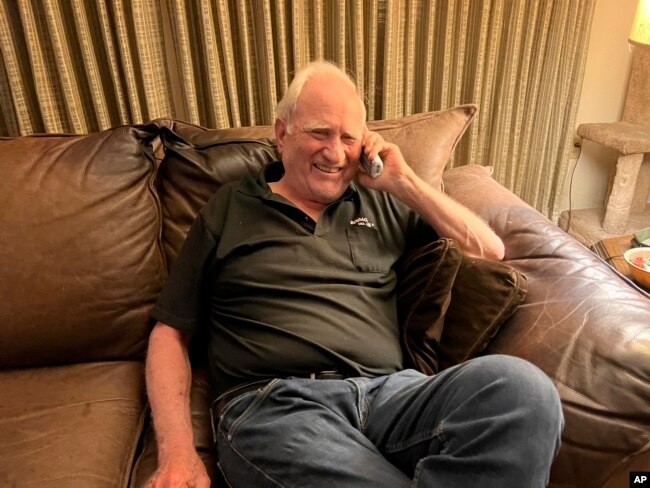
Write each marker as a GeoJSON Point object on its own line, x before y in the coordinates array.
{"type": "Point", "coordinates": [312, 209]}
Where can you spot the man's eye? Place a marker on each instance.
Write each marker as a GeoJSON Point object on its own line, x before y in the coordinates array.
{"type": "Point", "coordinates": [318, 134]}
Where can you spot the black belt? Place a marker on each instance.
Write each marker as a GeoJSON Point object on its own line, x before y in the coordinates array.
{"type": "Point", "coordinates": [221, 401]}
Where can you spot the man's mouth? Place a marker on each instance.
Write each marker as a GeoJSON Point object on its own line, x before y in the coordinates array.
{"type": "Point", "coordinates": [328, 169]}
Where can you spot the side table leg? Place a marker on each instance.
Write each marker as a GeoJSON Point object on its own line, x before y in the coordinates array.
{"type": "Point", "coordinates": [620, 199]}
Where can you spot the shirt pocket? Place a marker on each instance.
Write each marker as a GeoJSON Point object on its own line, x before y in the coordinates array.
{"type": "Point", "coordinates": [369, 253]}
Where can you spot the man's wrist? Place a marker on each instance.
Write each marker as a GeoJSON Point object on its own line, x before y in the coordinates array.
{"type": "Point", "coordinates": [175, 445]}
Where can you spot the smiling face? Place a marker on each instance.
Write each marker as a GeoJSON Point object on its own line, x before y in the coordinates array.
{"type": "Point", "coordinates": [320, 146]}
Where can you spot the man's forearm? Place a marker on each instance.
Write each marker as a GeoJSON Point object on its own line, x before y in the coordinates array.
{"type": "Point", "coordinates": [451, 219]}
{"type": "Point", "coordinates": [448, 217]}
{"type": "Point", "coordinates": [168, 388]}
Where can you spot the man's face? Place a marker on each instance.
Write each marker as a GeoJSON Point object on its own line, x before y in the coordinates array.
{"type": "Point", "coordinates": [320, 151]}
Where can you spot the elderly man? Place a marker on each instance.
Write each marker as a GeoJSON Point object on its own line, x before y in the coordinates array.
{"type": "Point", "coordinates": [304, 344]}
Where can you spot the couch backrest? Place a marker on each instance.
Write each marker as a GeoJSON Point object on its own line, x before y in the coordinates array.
{"type": "Point", "coordinates": [196, 164]}
{"type": "Point", "coordinates": [80, 256]}
{"type": "Point", "coordinates": [82, 219]}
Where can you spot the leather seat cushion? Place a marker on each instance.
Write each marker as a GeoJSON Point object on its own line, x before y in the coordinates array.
{"type": "Point", "coordinates": [72, 426]}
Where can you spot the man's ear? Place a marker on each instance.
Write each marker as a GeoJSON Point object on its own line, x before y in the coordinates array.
{"type": "Point", "coordinates": [280, 133]}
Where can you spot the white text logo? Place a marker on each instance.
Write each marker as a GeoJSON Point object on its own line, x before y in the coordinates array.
{"type": "Point", "coordinates": [362, 221]}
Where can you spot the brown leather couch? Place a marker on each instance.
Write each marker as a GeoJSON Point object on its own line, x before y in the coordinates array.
{"type": "Point", "coordinates": [89, 226]}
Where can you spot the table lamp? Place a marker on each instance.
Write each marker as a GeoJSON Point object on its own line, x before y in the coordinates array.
{"type": "Point", "coordinates": [637, 102]}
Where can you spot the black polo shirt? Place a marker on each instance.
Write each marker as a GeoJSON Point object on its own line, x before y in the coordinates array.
{"type": "Point", "coordinates": [284, 295]}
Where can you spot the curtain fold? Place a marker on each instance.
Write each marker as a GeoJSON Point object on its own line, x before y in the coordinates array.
{"type": "Point", "coordinates": [79, 66]}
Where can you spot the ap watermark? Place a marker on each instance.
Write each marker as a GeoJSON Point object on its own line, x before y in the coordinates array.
{"type": "Point", "coordinates": [640, 479]}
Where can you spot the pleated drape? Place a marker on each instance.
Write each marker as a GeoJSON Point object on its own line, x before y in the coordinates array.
{"type": "Point", "coordinates": [80, 66]}
{"type": "Point", "coordinates": [77, 66]}
{"type": "Point", "coordinates": [520, 61]}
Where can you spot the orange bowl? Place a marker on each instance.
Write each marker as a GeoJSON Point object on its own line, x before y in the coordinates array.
{"type": "Point", "coordinates": [640, 275]}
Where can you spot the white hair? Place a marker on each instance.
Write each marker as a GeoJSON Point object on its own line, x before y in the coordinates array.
{"type": "Point", "coordinates": [286, 108]}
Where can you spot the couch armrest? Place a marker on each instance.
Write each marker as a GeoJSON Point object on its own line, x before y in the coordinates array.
{"type": "Point", "coordinates": [581, 323]}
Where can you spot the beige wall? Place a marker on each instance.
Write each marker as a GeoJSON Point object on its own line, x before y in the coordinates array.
{"type": "Point", "coordinates": [602, 98]}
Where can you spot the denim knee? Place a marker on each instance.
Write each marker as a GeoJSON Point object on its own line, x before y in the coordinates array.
{"type": "Point", "coordinates": [503, 424]}
{"type": "Point", "coordinates": [524, 388]}
{"type": "Point", "coordinates": [519, 380]}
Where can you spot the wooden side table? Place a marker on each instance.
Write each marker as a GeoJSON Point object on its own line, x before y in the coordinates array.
{"type": "Point", "coordinates": [612, 250]}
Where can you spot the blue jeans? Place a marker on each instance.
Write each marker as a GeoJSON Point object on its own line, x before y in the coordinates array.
{"type": "Point", "coordinates": [494, 421]}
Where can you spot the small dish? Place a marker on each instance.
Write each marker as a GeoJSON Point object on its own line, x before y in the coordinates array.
{"type": "Point", "coordinates": [638, 261]}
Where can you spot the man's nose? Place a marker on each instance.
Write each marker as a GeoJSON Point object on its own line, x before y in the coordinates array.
{"type": "Point", "coordinates": [335, 150]}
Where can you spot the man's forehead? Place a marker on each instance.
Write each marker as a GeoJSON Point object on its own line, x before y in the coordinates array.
{"type": "Point", "coordinates": [327, 101]}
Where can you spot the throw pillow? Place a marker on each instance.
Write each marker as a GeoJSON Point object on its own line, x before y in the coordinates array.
{"type": "Point", "coordinates": [484, 295]}
{"type": "Point", "coordinates": [425, 280]}
{"type": "Point", "coordinates": [450, 306]}
{"type": "Point", "coordinates": [427, 140]}
{"type": "Point", "coordinates": [196, 164]}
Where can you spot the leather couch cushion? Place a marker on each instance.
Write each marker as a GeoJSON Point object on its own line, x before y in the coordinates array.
{"type": "Point", "coordinates": [73, 426]}
{"type": "Point", "coordinates": [81, 264]}
{"type": "Point", "coordinates": [198, 161]}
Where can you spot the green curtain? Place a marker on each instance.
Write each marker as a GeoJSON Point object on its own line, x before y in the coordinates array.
{"type": "Point", "coordinates": [78, 66]}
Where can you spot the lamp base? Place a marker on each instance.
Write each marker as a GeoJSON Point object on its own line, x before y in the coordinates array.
{"type": "Point", "coordinates": [637, 101]}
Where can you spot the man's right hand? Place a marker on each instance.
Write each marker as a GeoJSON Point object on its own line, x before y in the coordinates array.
{"type": "Point", "coordinates": [169, 379]}
{"type": "Point", "coordinates": [184, 471]}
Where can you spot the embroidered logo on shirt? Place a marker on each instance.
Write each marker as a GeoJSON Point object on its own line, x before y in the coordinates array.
{"type": "Point", "coordinates": [362, 221]}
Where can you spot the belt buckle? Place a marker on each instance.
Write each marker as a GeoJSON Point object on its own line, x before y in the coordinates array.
{"type": "Point", "coordinates": [326, 375]}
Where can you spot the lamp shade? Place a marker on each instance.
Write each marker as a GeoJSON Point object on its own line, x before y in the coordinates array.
{"type": "Point", "coordinates": [640, 34]}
